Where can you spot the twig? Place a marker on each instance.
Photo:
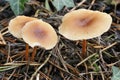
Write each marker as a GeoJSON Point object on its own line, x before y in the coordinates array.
{"type": "Point", "coordinates": [72, 68]}
{"type": "Point", "coordinates": [42, 74]}
{"type": "Point", "coordinates": [109, 46]}
{"type": "Point", "coordinates": [20, 53]}
{"type": "Point", "coordinates": [113, 63]}
{"type": "Point", "coordinates": [93, 1]}
{"type": "Point", "coordinates": [79, 4]}
{"type": "Point", "coordinates": [3, 8]}
{"type": "Point", "coordinates": [60, 68]}
{"type": "Point", "coordinates": [91, 76]}
{"type": "Point", "coordinates": [37, 77]}
{"type": "Point", "coordinates": [5, 32]}
{"type": "Point", "coordinates": [40, 66]}
{"type": "Point", "coordinates": [95, 72]}
{"type": "Point", "coordinates": [11, 74]}
{"type": "Point", "coordinates": [8, 55]}
{"type": "Point", "coordinates": [86, 59]}
{"type": "Point", "coordinates": [2, 41]}
{"type": "Point", "coordinates": [112, 14]}
{"type": "Point", "coordinates": [4, 29]}
{"type": "Point", "coordinates": [62, 60]}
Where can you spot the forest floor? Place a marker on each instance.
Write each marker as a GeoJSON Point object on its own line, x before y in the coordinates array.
{"type": "Point", "coordinates": [64, 61]}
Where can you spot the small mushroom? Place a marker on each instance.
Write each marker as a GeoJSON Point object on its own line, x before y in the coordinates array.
{"type": "Point", "coordinates": [84, 24]}
{"type": "Point", "coordinates": [16, 24]}
{"type": "Point", "coordinates": [39, 33]}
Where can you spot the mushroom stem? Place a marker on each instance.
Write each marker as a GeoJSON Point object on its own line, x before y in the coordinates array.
{"type": "Point", "coordinates": [26, 52]}
{"type": "Point", "coordinates": [84, 47]}
{"type": "Point", "coordinates": [33, 53]}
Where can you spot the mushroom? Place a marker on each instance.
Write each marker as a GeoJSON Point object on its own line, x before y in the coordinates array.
{"type": "Point", "coordinates": [84, 24]}
{"type": "Point", "coordinates": [15, 26]}
{"type": "Point", "coordinates": [39, 33]}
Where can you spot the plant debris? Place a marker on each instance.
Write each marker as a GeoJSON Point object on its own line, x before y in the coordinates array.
{"type": "Point", "coordinates": [64, 62]}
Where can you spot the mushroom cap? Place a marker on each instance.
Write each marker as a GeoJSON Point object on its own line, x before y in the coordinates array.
{"type": "Point", "coordinates": [16, 24]}
{"type": "Point", "coordinates": [39, 33]}
{"type": "Point", "coordinates": [84, 24]}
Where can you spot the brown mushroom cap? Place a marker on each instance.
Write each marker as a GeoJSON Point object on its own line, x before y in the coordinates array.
{"type": "Point", "coordinates": [16, 24]}
{"type": "Point", "coordinates": [84, 24]}
{"type": "Point", "coordinates": [39, 33]}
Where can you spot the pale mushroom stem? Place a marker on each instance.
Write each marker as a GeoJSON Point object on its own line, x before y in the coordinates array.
{"type": "Point", "coordinates": [34, 53]}
{"type": "Point", "coordinates": [26, 52]}
{"type": "Point", "coordinates": [84, 47]}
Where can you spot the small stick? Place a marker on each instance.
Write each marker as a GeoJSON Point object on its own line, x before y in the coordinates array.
{"type": "Point", "coordinates": [2, 41]}
{"type": "Point", "coordinates": [93, 1]}
{"type": "Point", "coordinates": [26, 52]}
{"type": "Point", "coordinates": [79, 4]}
{"type": "Point", "coordinates": [36, 71]}
{"type": "Point", "coordinates": [84, 46]}
{"type": "Point", "coordinates": [108, 46]}
{"type": "Point", "coordinates": [33, 53]}
{"type": "Point", "coordinates": [86, 59]}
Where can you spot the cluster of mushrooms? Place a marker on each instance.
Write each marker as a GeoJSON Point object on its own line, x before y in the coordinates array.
{"type": "Point", "coordinates": [79, 24]}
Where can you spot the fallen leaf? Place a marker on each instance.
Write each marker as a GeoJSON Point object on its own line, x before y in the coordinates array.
{"type": "Point", "coordinates": [59, 4]}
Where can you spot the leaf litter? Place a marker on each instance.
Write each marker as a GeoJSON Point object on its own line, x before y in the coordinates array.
{"type": "Point", "coordinates": [64, 62]}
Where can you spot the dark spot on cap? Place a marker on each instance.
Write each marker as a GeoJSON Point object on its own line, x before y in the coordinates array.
{"type": "Point", "coordinates": [85, 21]}
{"type": "Point", "coordinates": [39, 33]}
